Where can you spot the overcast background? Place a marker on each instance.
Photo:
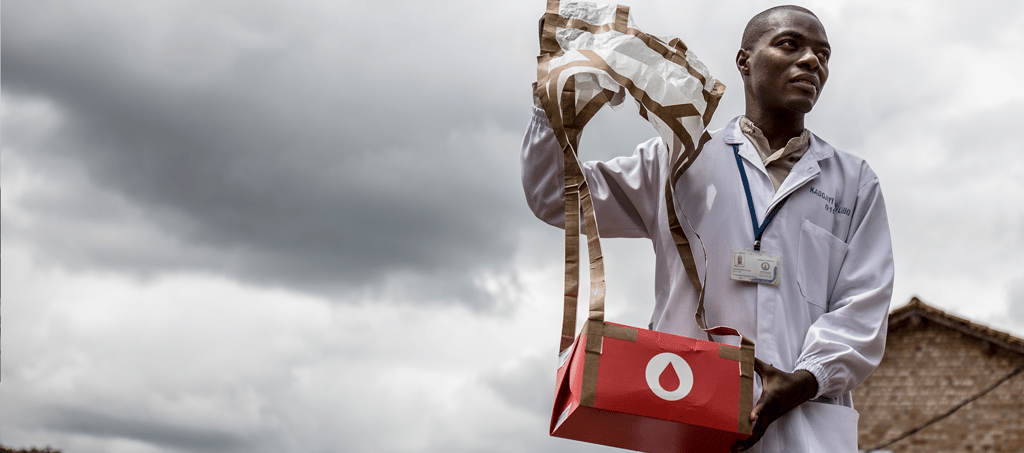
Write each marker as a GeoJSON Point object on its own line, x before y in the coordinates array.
{"type": "Point", "coordinates": [298, 226]}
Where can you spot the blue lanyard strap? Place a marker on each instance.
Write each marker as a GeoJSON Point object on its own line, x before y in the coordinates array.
{"type": "Point", "coordinates": [758, 230]}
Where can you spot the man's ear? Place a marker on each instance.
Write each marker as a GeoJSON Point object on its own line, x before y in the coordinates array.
{"type": "Point", "coordinates": [742, 62]}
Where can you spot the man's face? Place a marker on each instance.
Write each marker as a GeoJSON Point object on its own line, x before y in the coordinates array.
{"type": "Point", "coordinates": [788, 67]}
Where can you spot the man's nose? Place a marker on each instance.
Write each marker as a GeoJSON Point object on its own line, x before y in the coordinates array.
{"type": "Point", "coordinates": [809, 59]}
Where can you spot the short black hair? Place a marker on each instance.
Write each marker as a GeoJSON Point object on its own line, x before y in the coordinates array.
{"type": "Point", "coordinates": [758, 24]}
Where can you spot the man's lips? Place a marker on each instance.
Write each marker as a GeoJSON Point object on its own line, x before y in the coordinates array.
{"type": "Point", "coordinates": [807, 82]}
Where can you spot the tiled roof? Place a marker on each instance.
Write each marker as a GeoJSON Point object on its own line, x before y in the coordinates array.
{"type": "Point", "coordinates": [916, 310]}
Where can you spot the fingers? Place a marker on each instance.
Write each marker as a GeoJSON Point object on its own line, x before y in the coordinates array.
{"type": "Point", "coordinates": [760, 423]}
{"type": "Point", "coordinates": [757, 430]}
{"type": "Point", "coordinates": [756, 413]}
{"type": "Point", "coordinates": [755, 436]}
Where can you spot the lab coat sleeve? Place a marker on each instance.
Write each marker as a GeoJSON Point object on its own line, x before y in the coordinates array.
{"type": "Point", "coordinates": [844, 345]}
{"type": "Point", "coordinates": [623, 189]}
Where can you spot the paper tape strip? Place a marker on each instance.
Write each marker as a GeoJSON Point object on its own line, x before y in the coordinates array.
{"type": "Point", "coordinates": [746, 388]}
{"type": "Point", "coordinates": [595, 331]}
{"type": "Point", "coordinates": [618, 332]}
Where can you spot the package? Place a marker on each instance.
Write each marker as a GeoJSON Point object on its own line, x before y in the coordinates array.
{"type": "Point", "coordinates": [652, 391]}
{"type": "Point", "coordinates": [618, 385]}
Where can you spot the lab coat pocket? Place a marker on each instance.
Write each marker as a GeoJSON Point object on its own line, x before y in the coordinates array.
{"type": "Point", "coordinates": [830, 427]}
{"type": "Point", "coordinates": [821, 256]}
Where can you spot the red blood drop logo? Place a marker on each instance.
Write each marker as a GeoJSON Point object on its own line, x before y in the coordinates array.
{"type": "Point", "coordinates": [669, 378]}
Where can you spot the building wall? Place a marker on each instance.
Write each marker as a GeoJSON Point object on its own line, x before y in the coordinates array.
{"type": "Point", "coordinates": [928, 369]}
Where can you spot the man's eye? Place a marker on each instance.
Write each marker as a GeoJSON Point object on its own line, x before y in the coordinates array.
{"type": "Point", "coordinates": [824, 54]}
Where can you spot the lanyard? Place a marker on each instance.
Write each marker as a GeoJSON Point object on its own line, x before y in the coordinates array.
{"type": "Point", "coordinates": [758, 230]}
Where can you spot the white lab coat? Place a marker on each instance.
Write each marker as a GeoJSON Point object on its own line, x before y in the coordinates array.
{"type": "Point", "coordinates": [829, 313]}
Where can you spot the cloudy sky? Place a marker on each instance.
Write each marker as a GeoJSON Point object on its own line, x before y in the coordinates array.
{"type": "Point", "coordinates": [266, 226]}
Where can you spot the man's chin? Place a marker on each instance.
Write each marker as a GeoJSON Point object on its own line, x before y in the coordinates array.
{"type": "Point", "coordinates": [801, 105]}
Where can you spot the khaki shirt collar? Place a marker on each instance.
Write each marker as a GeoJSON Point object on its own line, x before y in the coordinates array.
{"type": "Point", "coordinates": [793, 151]}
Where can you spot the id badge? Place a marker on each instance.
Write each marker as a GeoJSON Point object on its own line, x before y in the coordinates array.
{"type": "Point", "coordinates": [755, 267]}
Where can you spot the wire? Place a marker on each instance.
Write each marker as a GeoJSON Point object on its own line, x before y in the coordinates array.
{"type": "Point", "coordinates": [938, 418]}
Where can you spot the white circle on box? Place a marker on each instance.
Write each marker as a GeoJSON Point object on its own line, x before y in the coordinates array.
{"type": "Point", "coordinates": [657, 366]}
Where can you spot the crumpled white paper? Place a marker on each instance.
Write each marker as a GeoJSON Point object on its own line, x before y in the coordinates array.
{"type": "Point", "coordinates": [594, 48]}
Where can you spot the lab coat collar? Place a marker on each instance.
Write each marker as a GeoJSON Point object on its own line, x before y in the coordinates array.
{"type": "Point", "coordinates": [806, 169]}
{"type": "Point", "coordinates": [734, 136]}
{"type": "Point", "coordinates": [819, 149]}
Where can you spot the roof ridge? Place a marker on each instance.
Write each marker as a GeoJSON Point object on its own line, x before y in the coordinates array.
{"type": "Point", "coordinates": [916, 309]}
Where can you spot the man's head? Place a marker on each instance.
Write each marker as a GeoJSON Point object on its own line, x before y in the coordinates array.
{"type": "Point", "coordinates": [783, 59]}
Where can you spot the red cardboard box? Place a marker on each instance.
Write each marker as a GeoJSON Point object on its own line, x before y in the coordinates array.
{"type": "Point", "coordinates": [653, 392]}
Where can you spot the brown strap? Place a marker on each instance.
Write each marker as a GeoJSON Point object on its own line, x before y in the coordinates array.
{"type": "Point", "coordinates": [680, 238]}
{"type": "Point", "coordinates": [567, 125]}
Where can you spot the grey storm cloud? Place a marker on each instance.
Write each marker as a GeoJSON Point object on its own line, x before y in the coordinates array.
{"type": "Point", "coordinates": [268, 146]}
{"type": "Point", "coordinates": [527, 385]}
{"type": "Point", "coordinates": [105, 426]}
{"type": "Point", "coordinates": [205, 200]}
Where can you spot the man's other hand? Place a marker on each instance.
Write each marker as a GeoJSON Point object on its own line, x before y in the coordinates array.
{"type": "Point", "coordinates": [781, 393]}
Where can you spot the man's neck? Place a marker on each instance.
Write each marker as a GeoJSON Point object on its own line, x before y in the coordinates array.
{"type": "Point", "coordinates": [778, 129]}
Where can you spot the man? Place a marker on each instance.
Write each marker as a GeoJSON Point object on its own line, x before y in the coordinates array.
{"type": "Point", "coordinates": [820, 329]}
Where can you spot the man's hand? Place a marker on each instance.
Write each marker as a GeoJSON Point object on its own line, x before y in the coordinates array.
{"type": "Point", "coordinates": [782, 392]}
